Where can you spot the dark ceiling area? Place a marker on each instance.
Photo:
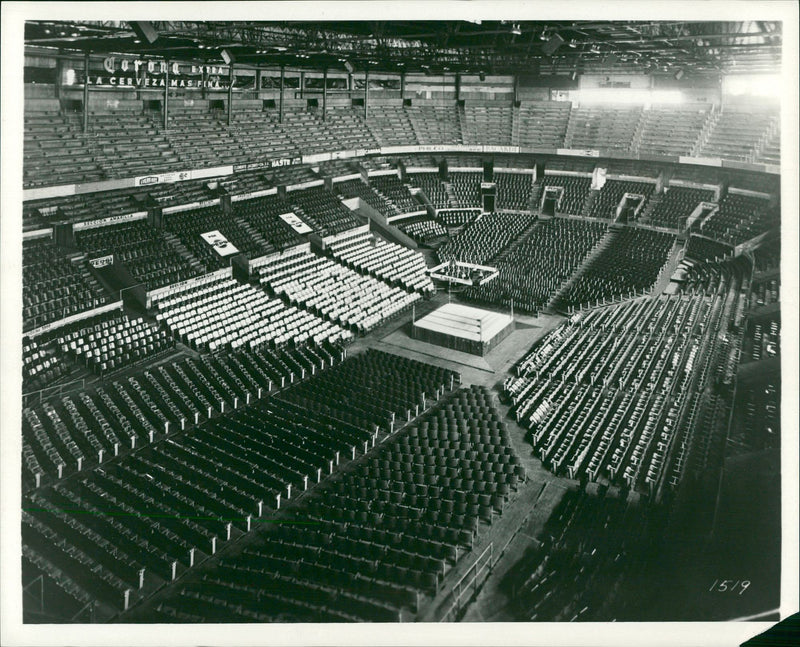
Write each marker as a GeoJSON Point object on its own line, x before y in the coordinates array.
{"type": "Point", "coordinates": [472, 47]}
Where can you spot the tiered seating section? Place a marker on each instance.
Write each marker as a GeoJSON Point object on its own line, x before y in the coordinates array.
{"type": "Point", "coordinates": [391, 188]}
{"type": "Point", "coordinates": [359, 189]}
{"type": "Point", "coordinates": [704, 249]}
{"type": "Point", "coordinates": [762, 340]}
{"type": "Point", "coordinates": [513, 191]}
{"type": "Point", "coordinates": [384, 535]}
{"type": "Point", "coordinates": [144, 251]}
{"type": "Point", "coordinates": [608, 198]}
{"type": "Point", "coordinates": [221, 313]}
{"type": "Point", "coordinates": [201, 138]}
{"type": "Point", "coordinates": [676, 205]}
{"type": "Point", "coordinates": [55, 151]}
{"type": "Point", "coordinates": [262, 214]}
{"type": "Point", "coordinates": [670, 130]}
{"type": "Point", "coordinates": [436, 124]}
{"type": "Point", "coordinates": [615, 394]}
{"type": "Point", "coordinates": [542, 123]}
{"type": "Point", "coordinates": [490, 125]}
{"type": "Point", "coordinates": [631, 263]}
{"type": "Point", "coordinates": [432, 186]}
{"type": "Point", "coordinates": [110, 342]}
{"type": "Point", "coordinates": [606, 128]}
{"type": "Point", "coordinates": [466, 189]}
{"type": "Point", "coordinates": [322, 210]}
{"type": "Point", "coordinates": [42, 366]}
{"type": "Point", "coordinates": [395, 264]}
{"type": "Point", "coordinates": [484, 239]}
{"type": "Point", "coordinates": [737, 132]}
{"type": "Point", "coordinates": [189, 225]}
{"type": "Point", "coordinates": [53, 286]}
{"type": "Point", "coordinates": [261, 133]}
{"type": "Point", "coordinates": [422, 229]}
{"type": "Point", "coordinates": [334, 292]}
{"type": "Point", "coordinates": [576, 190]}
{"type": "Point", "coordinates": [739, 218]}
{"type": "Point", "coordinates": [535, 268]}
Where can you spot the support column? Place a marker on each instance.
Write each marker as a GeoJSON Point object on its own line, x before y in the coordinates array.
{"type": "Point", "coordinates": [59, 74]}
{"type": "Point", "coordinates": [324, 92]}
{"type": "Point", "coordinates": [86, 92]}
{"type": "Point", "coordinates": [402, 85]}
{"type": "Point", "coordinates": [458, 86]}
{"type": "Point", "coordinates": [166, 95]}
{"type": "Point", "coordinates": [258, 84]}
{"type": "Point", "coordinates": [302, 85]}
{"type": "Point", "coordinates": [280, 101]}
{"type": "Point", "coordinates": [366, 94]}
{"type": "Point", "coordinates": [230, 93]}
{"type": "Point", "coordinates": [203, 89]}
{"type": "Point", "coordinates": [516, 88]}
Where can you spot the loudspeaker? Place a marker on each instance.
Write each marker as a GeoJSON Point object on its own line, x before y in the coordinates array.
{"type": "Point", "coordinates": [145, 31]}
{"type": "Point", "coordinates": [348, 66]}
{"type": "Point", "coordinates": [482, 76]}
{"type": "Point", "coordinates": [227, 56]}
{"type": "Point", "coordinates": [678, 75]}
{"type": "Point", "coordinates": [552, 45]}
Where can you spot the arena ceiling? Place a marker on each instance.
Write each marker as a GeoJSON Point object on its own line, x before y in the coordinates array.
{"type": "Point", "coordinates": [476, 47]}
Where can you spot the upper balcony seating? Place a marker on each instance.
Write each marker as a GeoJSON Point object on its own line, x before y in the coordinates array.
{"type": "Point", "coordinates": [262, 213]}
{"type": "Point", "coordinates": [631, 263]}
{"type": "Point", "coordinates": [484, 239]}
{"type": "Point", "coordinates": [335, 292]}
{"type": "Point", "coordinates": [188, 225]}
{"type": "Point", "coordinates": [56, 151]}
{"type": "Point", "coordinates": [53, 286]}
{"type": "Point", "coordinates": [676, 205]}
{"type": "Point", "coordinates": [539, 264]}
{"type": "Point", "coordinates": [671, 130]}
{"type": "Point", "coordinates": [602, 128]}
{"type": "Point", "coordinates": [129, 144]}
{"type": "Point", "coordinates": [737, 133]}
{"type": "Point", "coordinates": [513, 191]}
{"type": "Point", "coordinates": [224, 314]}
{"type": "Point", "coordinates": [260, 134]}
{"type": "Point", "coordinates": [543, 123]}
{"type": "Point", "coordinates": [309, 133]}
{"type": "Point", "coordinates": [395, 264]}
{"type": "Point", "coordinates": [322, 210]}
{"type": "Point", "coordinates": [110, 342]}
{"type": "Point", "coordinates": [143, 250]}
{"type": "Point", "coordinates": [490, 125]}
{"type": "Point", "coordinates": [201, 139]}
{"type": "Point", "coordinates": [435, 124]}
{"type": "Point", "coordinates": [349, 129]}
{"type": "Point", "coordinates": [391, 126]}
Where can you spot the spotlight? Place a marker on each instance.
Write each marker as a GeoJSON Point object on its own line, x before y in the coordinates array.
{"type": "Point", "coordinates": [516, 30]}
{"type": "Point", "coordinates": [227, 56]}
{"type": "Point", "coordinates": [679, 75]}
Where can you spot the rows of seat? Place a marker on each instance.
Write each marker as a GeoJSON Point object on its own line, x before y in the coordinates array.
{"type": "Point", "coordinates": [55, 286]}
{"type": "Point", "coordinates": [432, 186]}
{"type": "Point", "coordinates": [670, 130]}
{"type": "Point", "coordinates": [349, 128]}
{"type": "Point", "coordinates": [609, 197]}
{"type": "Point", "coordinates": [630, 263]}
{"type": "Point", "coordinates": [736, 133]}
{"type": "Point", "coordinates": [457, 217]}
{"type": "Point", "coordinates": [589, 545]}
{"type": "Point", "coordinates": [704, 249]}
{"type": "Point", "coordinates": [224, 314]}
{"type": "Point", "coordinates": [200, 137]}
{"type": "Point", "coordinates": [513, 191]}
{"type": "Point", "coordinates": [360, 189]}
{"type": "Point", "coordinates": [391, 188]}
{"type": "Point", "coordinates": [762, 339]}
{"type": "Point", "coordinates": [465, 189]}
{"type": "Point", "coordinates": [609, 395]}
{"type": "Point", "coordinates": [336, 293]}
{"type": "Point", "coordinates": [143, 250]}
{"type": "Point", "coordinates": [263, 214]}
{"type": "Point", "coordinates": [395, 264]}
{"type": "Point", "coordinates": [538, 265]}
{"type": "Point", "coordinates": [760, 426]}
{"type": "Point", "coordinates": [606, 127]}
{"type": "Point", "coordinates": [542, 123]}
{"type": "Point", "coordinates": [309, 132]}
{"type": "Point", "coordinates": [111, 342]}
{"type": "Point", "coordinates": [99, 423]}
{"type": "Point", "coordinates": [422, 229]}
{"type": "Point", "coordinates": [322, 210]}
{"type": "Point", "coordinates": [189, 225]}
{"type": "Point", "coordinates": [576, 190]}
{"type": "Point", "coordinates": [490, 125]}
{"type": "Point", "coordinates": [676, 204]}
{"type": "Point", "coordinates": [436, 124]}
{"type": "Point", "coordinates": [42, 365]}
{"type": "Point", "coordinates": [739, 218]}
{"type": "Point", "coordinates": [377, 538]}
{"type": "Point", "coordinates": [259, 132]}
{"type": "Point", "coordinates": [484, 239]}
